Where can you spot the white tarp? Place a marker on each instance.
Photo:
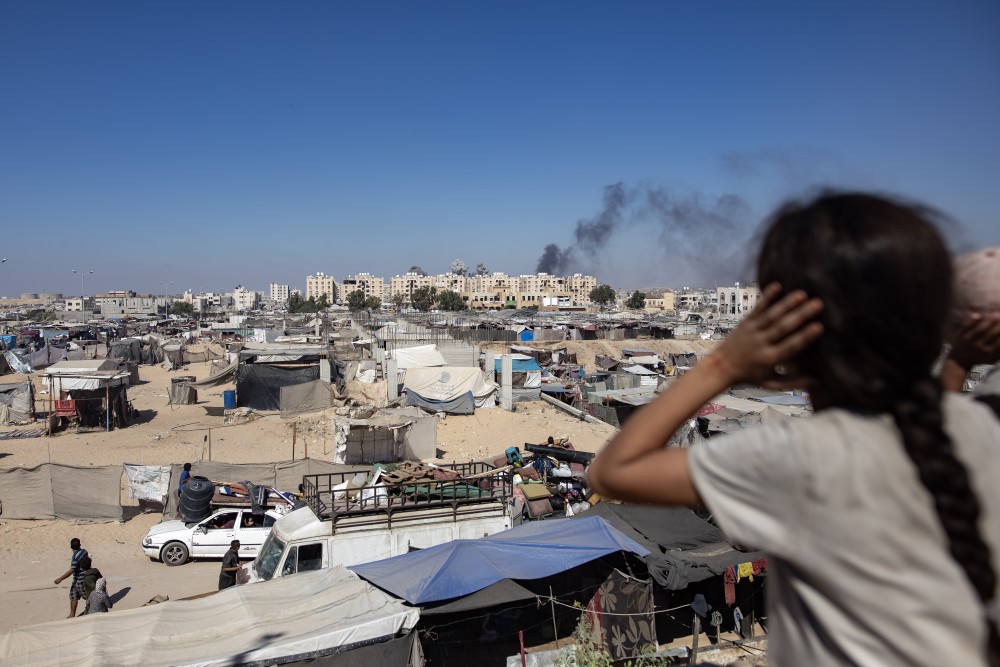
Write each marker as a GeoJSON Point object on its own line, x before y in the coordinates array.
{"type": "Point", "coordinates": [639, 370]}
{"type": "Point", "coordinates": [148, 482]}
{"type": "Point", "coordinates": [421, 356]}
{"type": "Point", "coordinates": [447, 383]}
{"type": "Point", "coordinates": [310, 613]}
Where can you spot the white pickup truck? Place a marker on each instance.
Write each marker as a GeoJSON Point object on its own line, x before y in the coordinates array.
{"type": "Point", "coordinates": [382, 520]}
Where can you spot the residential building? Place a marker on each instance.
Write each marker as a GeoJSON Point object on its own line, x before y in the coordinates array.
{"type": "Point", "coordinates": [660, 303]}
{"type": "Point", "coordinates": [244, 299]}
{"type": "Point", "coordinates": [278, 293]}
{"type": "Point", "coordinates": [406, 283]}
{"type": "Point", "coordinates": [370, 285]}
{"type": "Point", "coordinates": [581, 286]}
{"type": "Point", "coordinates": [738, 300]}
{"type": "Point", "coordinates": [320, 284]}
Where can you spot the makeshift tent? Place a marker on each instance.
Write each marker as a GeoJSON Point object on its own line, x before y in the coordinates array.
{"type": "Point", "coordinates": [421, 356]}
{"type": "Point", "coordinates": [460, 405]}
{"type": "Point", "coordinates": [258, 386]}
{"type": "Point", "coordinates": [389, 436]}
{"type": "Point", "coordinates": [219, 376]}
{"type": "Point", "coordinates": [307, 397]}
{"type": "Point", "coordinates": [17, 401]}
{"type": "Point", "coordinates": [527, 374]}
{"type": "Point", "coordinates": [289, 620]}
{"type": "Point", "coordinates": [682, 548]}
{"type": "Point", "coordinates": [446, 387]}
{"type": "Point", "coordinates": [530, 551]}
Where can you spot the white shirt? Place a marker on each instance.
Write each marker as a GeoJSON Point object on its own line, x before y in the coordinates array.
{"type": "Point", "coordinates": [859, 569]}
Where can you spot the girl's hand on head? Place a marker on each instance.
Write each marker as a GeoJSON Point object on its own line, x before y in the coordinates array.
{"type": "Point", "coordinates": [977, 341]}
{"type": "Point", "coordinates": [777, 330]}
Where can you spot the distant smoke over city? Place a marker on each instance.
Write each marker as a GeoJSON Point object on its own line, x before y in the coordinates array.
{"type": "Point", "coordinates": [707, 234]}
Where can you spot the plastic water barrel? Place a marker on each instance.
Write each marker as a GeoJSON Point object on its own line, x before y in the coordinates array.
{"type": "Point", "coordinates": [196, 499]}
{"type": "Point", "coordinates": [229, 399]}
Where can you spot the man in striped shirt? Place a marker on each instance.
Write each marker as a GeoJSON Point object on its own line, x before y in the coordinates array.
{"type": "Point", "coordinates": [76, 571]}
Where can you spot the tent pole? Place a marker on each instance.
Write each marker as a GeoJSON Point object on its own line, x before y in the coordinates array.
{"type": "Point", "coordinates": [107, 402]}
{"type": "Point", "coordinates": [555, 629]}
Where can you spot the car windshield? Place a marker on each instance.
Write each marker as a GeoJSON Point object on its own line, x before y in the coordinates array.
{"type": "Point", "coordinates": [267, 560]}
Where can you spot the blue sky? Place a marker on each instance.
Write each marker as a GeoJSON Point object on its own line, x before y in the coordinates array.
{"type": "Point", "coordinates": [223, 143]}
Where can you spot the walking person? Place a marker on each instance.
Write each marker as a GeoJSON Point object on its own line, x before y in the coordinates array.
{"type": "Point", "coordinates": [76, 571]}
{"type": "Point", "coordinates": [230, 566]}
{"type": "Point", "coordinates": [880, 514]}
{"type": "Point", "coordinates": [90, 575]}
{"type": "Point", "coordinates": [98, 600]}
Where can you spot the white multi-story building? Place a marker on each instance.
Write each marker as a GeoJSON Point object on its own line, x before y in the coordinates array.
{"type": "Point", "coordinates": [245, 299]}
{"type": "Point", "coordinates": [320, 284]}
{"type": "Point", "coordinates": [738, 300]}
{"type": "Point", "coordinates": [370, 285]}
{"type": "Point", "coordinates": [279, 293]}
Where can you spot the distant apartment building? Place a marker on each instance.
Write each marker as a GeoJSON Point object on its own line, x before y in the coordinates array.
{"type": "Point", "coordinates": [125, 303]}
{"type": "Point", "coordinates": [581, 286]}
{"type": "Point", "coordinates": [738, 300]}
{"type": "Point", "coordinates": [688, 298]}
{"type": "Point", "coordinates": [320, 284]}
{"type": "Point", "coordinates": [660, 302]}
{"type": "Point", "coordinates": [370, 285]}
{"type": "Point", "coordinates": [406, 283]}
{"type": "Point", "coordinates": [244, 299]}
{"type": "Point", "coordinates": [74, 305]}
{"type": "Point", "coordinates": [278, 293]}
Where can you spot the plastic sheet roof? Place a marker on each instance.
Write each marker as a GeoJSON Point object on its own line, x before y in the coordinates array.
{"type": "Point", "coordinates": [530, 551]}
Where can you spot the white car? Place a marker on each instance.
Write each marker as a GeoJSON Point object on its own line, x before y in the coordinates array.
{"type": "Point", "coordinates": [174, 542]}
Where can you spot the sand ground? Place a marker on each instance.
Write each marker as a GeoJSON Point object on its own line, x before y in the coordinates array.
{"type": "Point", "coordinates": [34, 553]}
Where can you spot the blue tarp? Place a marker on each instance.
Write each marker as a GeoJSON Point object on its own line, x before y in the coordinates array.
{"type": "Point", "coordinates": [526, 335]}
{"type": "Point", "coordinates": [518, 365]}
{"type": "Point", "coordinates": [530, 551]}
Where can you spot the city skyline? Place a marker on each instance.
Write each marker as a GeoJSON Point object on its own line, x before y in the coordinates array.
{"type": "Point", "coordinates": [236, 143]}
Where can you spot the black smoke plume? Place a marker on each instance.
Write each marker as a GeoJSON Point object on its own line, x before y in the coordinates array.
{"type": "Point", "coordinates": [707, 234]}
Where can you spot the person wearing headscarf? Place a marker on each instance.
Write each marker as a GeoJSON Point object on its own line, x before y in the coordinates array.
{"type": "Point", "coordinates": [98, 601]}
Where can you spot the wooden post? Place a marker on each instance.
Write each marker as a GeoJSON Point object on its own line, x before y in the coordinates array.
{"type": "Point", "coordinates": [107, 411]}
{"type": "Point", "coordinates": [520, 637]}
{"type": "Point", "coordinates": [209, 444]}
{"type": "Point", "coordinates": [294, 425]}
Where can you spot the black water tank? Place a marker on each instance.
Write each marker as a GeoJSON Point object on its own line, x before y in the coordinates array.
{"type": "Point", "coordinates": [196, 499]}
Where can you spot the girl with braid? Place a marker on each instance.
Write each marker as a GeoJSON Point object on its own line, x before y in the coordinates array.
{"type": "Point", "coordinates": [881, 512]}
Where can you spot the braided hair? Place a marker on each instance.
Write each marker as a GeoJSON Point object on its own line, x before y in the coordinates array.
{"type": "Point", "coordinates": [884, 275]}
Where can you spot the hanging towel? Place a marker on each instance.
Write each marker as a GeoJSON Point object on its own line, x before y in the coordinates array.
{"type": "Point", "coordinates": [737, 619]}
{"type": "Point", "coordinates": [729, 581]}
{"type": "Point", "coordinates": [760, 566]}
{"type": "Point", "coordinates": [744, 570]}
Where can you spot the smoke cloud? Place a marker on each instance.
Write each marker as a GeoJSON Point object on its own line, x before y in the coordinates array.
{"type": "Point", "coordinates": [705, 236]}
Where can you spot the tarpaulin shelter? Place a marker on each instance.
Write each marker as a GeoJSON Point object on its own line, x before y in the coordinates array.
{"type": "Point", "coordinates": [17, 401]}
{"type": "Point", "coordinates": [307, 397]}
{"type": "Point", "coordinates": [391, 435]}
{"type": "Point", "coordinates": [682, 547]}
{"type": "Point", "coordinates": [526, 373]}
{"type": "Point", "coordinates": [141, 350]}
{"type": "Point", "coordinates": [446, 388]}
{"type": "Point", "coordinates": [530, 551]}
{"type": "Point", "coordinates": [421, 356]}
{"type": "Point", "coordinates": [316, 618]}
{"type": "Point", "coordinates": [93, 390]}
{"type": "Point", "coordinates": [258, 386]}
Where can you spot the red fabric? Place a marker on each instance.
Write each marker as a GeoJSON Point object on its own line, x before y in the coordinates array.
{"type": "Point", "coordinates": [760, 566]}
{"type": "Point", "coordinates": [729, 581]}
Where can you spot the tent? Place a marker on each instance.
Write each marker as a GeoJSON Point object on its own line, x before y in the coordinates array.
{"type": "Point", "coordinates": [530, 551]}
{"type": "Point", "coordinates": [445, 388]}
{"type": "Point", "coordinates": [313, 616]}
{"type": "Point", "coordinates": [258, 386]}
{"type": "Point", "coordinates": [527, 373]}
{"type": "Point", "coordinates": [17, 401]}
{"type": "Point", "coordinates": [682, 547]}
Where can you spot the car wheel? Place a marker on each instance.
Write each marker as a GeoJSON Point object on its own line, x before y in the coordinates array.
{"type": "Point", "coordinates": [174, 553]}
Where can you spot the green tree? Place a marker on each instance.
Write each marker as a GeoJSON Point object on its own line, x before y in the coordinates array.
{"type": "Point", "coordinates": [373, 303]}
{"type": "Point", "coordinates": [423, 298]}
{"type": "Point", "coordinates": [356, 301]}
{"type": "Point", "coordinates": [182, 308]}
{"type": "Point", "coordinates": [449, 300]}
{"type": "Point", "coordinates": [602, 295]}
{"type": "Point", "coordinates": [398, 300]}
{"type": "Point", "coordinates": [636, 300]}
{"type": "Point", "coordinates": [295, 302]}
{"type": "Point", "coordinates": [323, 302]}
